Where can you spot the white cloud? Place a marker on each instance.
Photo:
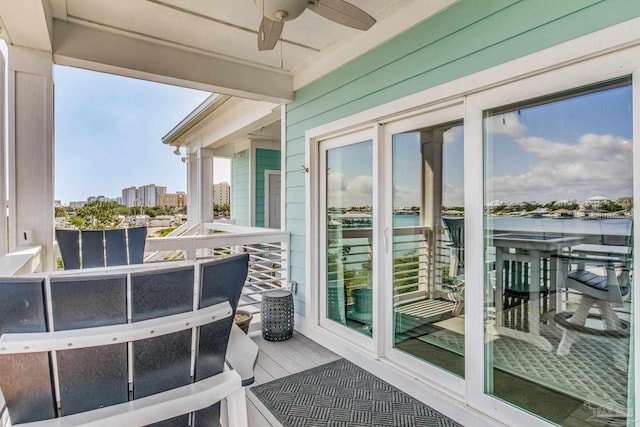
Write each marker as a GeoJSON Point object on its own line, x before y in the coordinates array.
{"type": "Point", "coordinates": [508, 124]}
{"type": "Point", "coordinates": [347, 192]}
{"type": "Point", "coordinates": [596, 164]}
{"type": "Point", "coordinates": [452, 195]}
{"type": "Point", "coordinates": [406, 196]}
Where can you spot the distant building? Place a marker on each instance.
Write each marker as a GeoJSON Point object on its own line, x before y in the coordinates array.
{"type": "Point", "coordinates": [147, 195]}
{"type": "Point", "coordinates": [173, 200]}
{"type": "Point", "coordinates": [129, 198]}
{"type": "Point", "coordinates": [594, 202]}
{"type": "Point", "coordinates": [57, 203]}
{"type": "Point", "coordinates": [77, 205]}
{"type": "Point", "coordinates": [221, 193]}
{"type": "Point", "coordinates": [91, 199]}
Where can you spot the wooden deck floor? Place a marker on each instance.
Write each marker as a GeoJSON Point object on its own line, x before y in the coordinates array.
{"type": "Point", "coordinates": [277, 360]}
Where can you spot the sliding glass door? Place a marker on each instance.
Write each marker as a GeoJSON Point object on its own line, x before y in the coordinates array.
{"type": "Point", "coordinates": [558, 229]}
{"type": "Point", "coordinates": [347, 207]}
{"type": "Point", "coordinates": [425, 275]}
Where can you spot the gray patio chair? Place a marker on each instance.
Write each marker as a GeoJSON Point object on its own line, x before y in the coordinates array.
{"type": "Point", "coordinates": [223, 280]}
{"type": "Point", "coordinates": [100, 248]}
{"type": "Point", "coordinates": [81, 371]}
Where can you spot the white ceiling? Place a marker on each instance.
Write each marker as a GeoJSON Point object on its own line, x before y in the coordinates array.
{"type": "Point", "coordinates": [221, 29]}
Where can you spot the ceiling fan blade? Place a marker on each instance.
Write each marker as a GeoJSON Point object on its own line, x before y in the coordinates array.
{"type": "Point", "coordinates": [343, 13]}
{"type": "Point", "coordinates": [269, 33]}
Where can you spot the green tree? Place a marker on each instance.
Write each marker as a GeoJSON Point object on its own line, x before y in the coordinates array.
{"type": "Point", "coordinates": [97, 215]}
{"type": "Point", "coordinates": [60, 212]}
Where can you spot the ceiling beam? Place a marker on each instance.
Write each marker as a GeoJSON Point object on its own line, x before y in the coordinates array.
{"type": "Point", "coordinates": [110, 52]}
{"type": "Point", "coordinates": [27, 23]}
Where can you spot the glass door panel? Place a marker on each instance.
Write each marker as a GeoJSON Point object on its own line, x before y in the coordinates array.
{"type": "Point", "coordinates": [558, 255]}
{"type": "Point", "coordinates": [348, 199]}
{"type": "Point", "coordinates": [428, 245]}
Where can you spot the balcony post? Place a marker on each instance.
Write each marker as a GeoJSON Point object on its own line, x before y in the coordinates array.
{"type": "Point", "coordinates": [192, 185]}
{"type": "Point", "coordinates": [30, 144]}
{"type": "Point", "coordinates": [205, 187]}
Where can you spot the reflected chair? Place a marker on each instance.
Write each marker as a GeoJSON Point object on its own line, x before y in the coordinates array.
{"type": "Point", "coordinates": [602, 291]}
{"type": "Point", "coordinates": [455, 228]}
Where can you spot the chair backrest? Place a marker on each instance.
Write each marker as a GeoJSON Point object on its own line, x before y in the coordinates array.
{"type": "Point", "coordinates": [69, 244]}
{"type": "Point", "coordinates": [101, 248]}
{"type": "Point", "coordinates": [455, 227]}
{"type": "Point", "coordinates": [86, 377]}
{"type": "Point", "coordinates": [223, 280]}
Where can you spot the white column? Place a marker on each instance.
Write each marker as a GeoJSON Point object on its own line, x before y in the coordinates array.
{"type": "Point", "coordinates": [30, 143]}
{"type": "Point", "coordinates": [192, 189]}
{"type": "Point", "coordinates": [205, 187]}
{"type": "Point", "coordinates": [3, 149]}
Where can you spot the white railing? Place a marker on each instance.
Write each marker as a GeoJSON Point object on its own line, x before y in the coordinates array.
{"type": "Point", "coordinates": [268, 251]}
{"type": "Point", "coordinates": [21, 261]}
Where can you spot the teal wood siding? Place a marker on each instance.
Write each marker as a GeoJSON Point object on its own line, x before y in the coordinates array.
{"type": "Point", "coordinates": [468, 37]}
{"type": "Point", "coordinates": [265, 160]}
{"type": "Point", "coordinates": [240, 188]}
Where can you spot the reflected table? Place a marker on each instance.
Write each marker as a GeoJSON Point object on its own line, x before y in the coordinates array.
{"type": "Point", "coordinates": [528, 252]}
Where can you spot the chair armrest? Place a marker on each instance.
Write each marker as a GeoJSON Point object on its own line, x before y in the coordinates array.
{"type": "Point", "coordinates": [242, 354]}
{"type": "Point", "coordinates": [601, 261]}
{"type": "Point", "coordinates": [161, 406]}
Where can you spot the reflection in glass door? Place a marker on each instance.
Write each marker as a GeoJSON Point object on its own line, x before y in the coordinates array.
{"type": "Point", "coordinates": [428, 245]}
{"type": "Point", "coordinates": [558, 255]}
{"type": "Point", "coordinates": [348, 227]}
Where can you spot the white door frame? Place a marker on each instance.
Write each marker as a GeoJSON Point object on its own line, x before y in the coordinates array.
{"type": "Point", "coordinates": [367, 343]}
{"type": "Point", "coordinates": [425, 370]}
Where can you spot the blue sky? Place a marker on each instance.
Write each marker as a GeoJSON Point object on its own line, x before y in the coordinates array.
{"type": "Point", "coordinates": [569, 149]}
{"type": "Point", "coordinates": [108, 132]}
{"type": "Point", "coordinates": [566, 150]}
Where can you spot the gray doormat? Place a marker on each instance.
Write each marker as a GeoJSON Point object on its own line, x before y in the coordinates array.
{"type": "Point", "coordinates": [342, 394]}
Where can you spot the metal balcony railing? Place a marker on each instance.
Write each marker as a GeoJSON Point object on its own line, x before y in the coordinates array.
{"type": "Point", "coordinates": [268, 251]}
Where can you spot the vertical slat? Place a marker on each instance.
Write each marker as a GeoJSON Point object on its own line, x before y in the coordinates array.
{"type": "Point", "coordinates": [92, 248]}
{"type": "Point", "coordinates": [116, 246]}
{"type": "Point", "coordinates": [93, 377]}
{"type": "Point", "coordinates": [220, 280]}
{"type": "Point", "coordinates": [69, 244]}
{"type": "Point", "coordinates": [25, 379]}
{"type": "Point", "coordinates": [164, 362]}
{"type": "Point", "coordinates": [88, 301]}
{"type": "Point", "coordinates": [137, 238]}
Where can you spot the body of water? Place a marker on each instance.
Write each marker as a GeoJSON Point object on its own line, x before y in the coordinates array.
{"type": "Point", "coordinates": [620, 227]}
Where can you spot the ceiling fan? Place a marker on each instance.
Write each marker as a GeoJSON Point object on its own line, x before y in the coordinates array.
{"type": "Point", "coordinates": [277, 12]}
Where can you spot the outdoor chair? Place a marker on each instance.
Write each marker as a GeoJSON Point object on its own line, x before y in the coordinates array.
{"type": "Point", "coordinates": [223, 280]}
{"type": "Point", "coordinates": [455, 227]}
{"type": "Point", "coordinates": [100, 248]}
{"type": "Point", "coordinates": [604, 291]}
{"type": "Point", "coordinates": [116, 348]}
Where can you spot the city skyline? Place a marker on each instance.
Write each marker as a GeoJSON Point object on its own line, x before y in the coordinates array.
{"type": "Point", "coordinates": [108, 132]}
